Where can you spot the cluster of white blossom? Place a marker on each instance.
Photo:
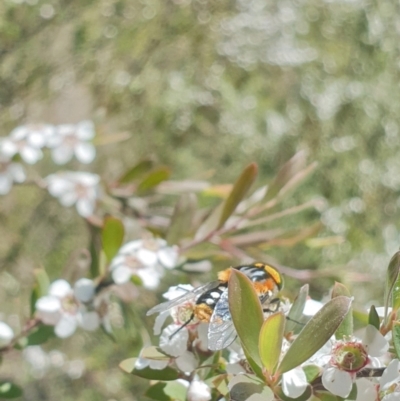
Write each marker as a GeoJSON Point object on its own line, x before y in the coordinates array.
{"type": "Point", "coordinates": [28, 142]}
{"type": "Point", "coordinates": [182, 342]}
{"type": "Point", "coordinates": [67, 308]}
{"type": "Point", "coordinates": [75, 188]}
{"type": "Point", "coordinates": [146, 259]}
{"type": "Point", "coordinates": [339, 361]}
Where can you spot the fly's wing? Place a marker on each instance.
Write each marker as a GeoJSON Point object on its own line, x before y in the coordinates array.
{"type": "Point", "coordinates": [221, 331]}
{"type": "Point", "coordinates": [191, 295]}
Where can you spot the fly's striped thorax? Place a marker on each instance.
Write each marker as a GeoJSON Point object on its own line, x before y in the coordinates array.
{"type": "Point", "coordinates": [205, 303]}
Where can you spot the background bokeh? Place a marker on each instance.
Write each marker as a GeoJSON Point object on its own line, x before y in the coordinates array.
{"type": "Point", "coordinates": [204, 87]}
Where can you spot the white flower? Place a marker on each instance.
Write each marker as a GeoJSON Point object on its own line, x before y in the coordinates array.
{"type": "Point", "coordinates": [388, 388]}
{"type": "Point", "coordinates": [294, 382]}
{"type": "Point", "coordinates": [6, 334]}
{"type": "Point", "coordinates": [350, 357]}
{"type": "Point", "coordinates": [10, 172]}
{"type": "Point", "coordinates": [198, 391]}
{"type": "Point", "coordinates": [27, 140]}
{"type": "Point", "coordinates": [79, 188]}
{"type": "Point", "coordinates": [70, 139]}
{"type": "Point", "coordinates": [65, 308]}
{"type": "Point", "coordinates": [174, 342]}
{"type": "Point", "coordinates": [145, 259]}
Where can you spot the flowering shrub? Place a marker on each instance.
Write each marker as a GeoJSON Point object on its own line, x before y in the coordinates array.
{"type": "Point", "coordinates": [276, 348]}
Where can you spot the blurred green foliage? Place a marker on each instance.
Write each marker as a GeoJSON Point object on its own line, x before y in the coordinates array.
{"type": "Point", "coordinates": [205, 88]}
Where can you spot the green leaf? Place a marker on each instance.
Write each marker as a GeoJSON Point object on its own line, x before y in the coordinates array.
{"type": "Point", "coordinates": [295, 314]}
{"type": "Point", "coordinates": [392, 275]}
{"type": "Point", "coordinates": [154, 353]}
{"type": "Point", "coordinates": [175, 391]}
{"type": "Point", "coordinates": [346, 327]}
{"type": "Point", "coordinates": [40, 287]}
{"type": "Point", "coordinates": [181, 220]}
{"type": "Point", "coordinates": [40, 335]}
{"type": "Point", "coordinates": [312, 372]}
{"type": "Point", "coordinates": [324, 396]}
{"type": "Point", "coordinates": [171, 391]}
{"type": "Point", "coordinates": [112, 236]}
{"type": "Point", "coordinates": [373, 317]}
{"type": "Point", "coordinates": [210, 224]}
{"type": "Point", "coordinates": [156, 392]}
{"type": "Point", "coordinates": [9, 390]}
{"type": "Point", "coordinates": [246, 311]}
{"type": "Point", "coordinates": [166, 374]}
{"type": "Point", "coordinates": [153, 178]}
{"type": "Point", "coordinates": [95, 249]}
{"type": "Point", "coordinates": [242, 387]}
{"type": "Point", "coordinates": [396, 337]}
{"type": "Point", "coordinates": [316, 333]}
{"type": "Point", "coordinates": [270, 342]}
{"type": "Point", "coordinates": [285, 174]}
{"type": "Point", "coordinates": [42, 280]}
{"type": "Point", "coordinates": [136, 172]}
{"type": "Point", "coordinates": [239, 191]}
{"type": "Point", "coordinates": [220, 383]}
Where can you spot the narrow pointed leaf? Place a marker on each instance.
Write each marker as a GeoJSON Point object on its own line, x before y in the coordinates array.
{"type": "Point", "coordinates": [181, 220]}
{"type": "Point", "coordinates": [396, 338]}
{"type": "Point", "coordinates": [316, 333]}
{"type": "Point", "coordinates": [246, 311]}
{"type": "Point", "coordinates": [270, 341]}
{"type": "Point", "coordinates": [136, 172]}
{"type": "Point", "coordinates": [346, 327]}
{"type": "Point", "coordinates": [112, 236]}
{"type": "Point", "coordinates": [295, 314]}
{"type": "Point", "coordinates": [297, 179]}
{"type": "Point", "coordinates": [210, 224]}
{"type": "Point", "coordinates": [373, 317]}
{"type": "Point", "coordinates": [286, 172]}
{"type": "Point", "coordinates": [239, 191]}
{"type": "Point", "coordinates": [392, 275]}
{"type": "Point", "coordinates": [153, 178]}
{"type": "Point", "coordinates": [166, 374]}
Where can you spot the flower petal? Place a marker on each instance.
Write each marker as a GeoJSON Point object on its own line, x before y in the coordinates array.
{"type": "Point", "coordinates": [85, 207]}
{"type": "Point", "coordinates": [177, 344]}
{"type": "Point", "coordinates": [89, 321]}
{"type": "Point", "coordinates": [62, 154]}
{"type": "Point", "coordinates": [159, 322]}
{"type": "Point", "coordinates": [198, 391]}
{"type": "Point", "coordinates": [6, 334]}
{"type": "Point", "coordinates": [5, 184]}
{"type": "Point", "coordinates": [187, 362]}
{"type": "Point", "coordinates": [168, 257]}
{"type": "Point", "coordinates": [374, 341]}
{"type": "Point", "coordinates": [121, 274]}
{"type": "Point", "coordinates": [150, 277]}
{"type": "Point", "coordinates": [84, 289]}
{"type": "Point", "coordinates": [60, 288]}
{"type": "Point", "coordinates": [148, 258]}
{"type": "Point", "coordinates": [294, 383]}
{"type": "Point", "coordinates": [390, 374]}
{"type": "Point", "coordinates": [85, 152]}
{"type": "Point", "coordinates": [66, 326]}
{"type": "Point", "coordinates": [366, 390]}
{"type": "Point", "coordinates": [337, 381]}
